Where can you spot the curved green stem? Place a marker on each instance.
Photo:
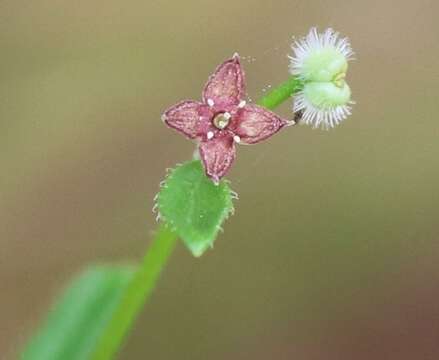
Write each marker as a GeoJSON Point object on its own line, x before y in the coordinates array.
{"type": "Point", "coordinates": [141, 287]}
{"type": "Point", "coordinates": [136, 294]}
{"type": "Point", "coordinates": [281, 93]}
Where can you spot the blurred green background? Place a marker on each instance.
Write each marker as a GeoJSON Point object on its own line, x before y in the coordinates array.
{"type": "Point", "coordinates": [333, 251]}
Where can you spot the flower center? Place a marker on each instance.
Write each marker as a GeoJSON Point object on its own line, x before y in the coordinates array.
{"type": "Point", "coordinates": [221, 120]}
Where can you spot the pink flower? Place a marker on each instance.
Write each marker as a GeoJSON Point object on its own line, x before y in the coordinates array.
{"type": "Point", "coordinates": [223, 119]}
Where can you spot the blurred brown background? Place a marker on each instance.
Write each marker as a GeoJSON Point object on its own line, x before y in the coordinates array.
{"type": "Point", "coordinates": [333, 251]}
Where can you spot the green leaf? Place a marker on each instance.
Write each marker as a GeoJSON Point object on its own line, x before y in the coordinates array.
{"type": "Point", "coordinates": [80, 315]}
{"type": "Point", "coordinates": [194, 206]}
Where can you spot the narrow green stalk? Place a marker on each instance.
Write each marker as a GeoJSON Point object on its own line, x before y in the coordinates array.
{"type": "Point", "coordinates": [136, 294]}
{"type": "Point", "coordinates": [281, 93]}
{"type": "Point", "coordinates": [143, 284]}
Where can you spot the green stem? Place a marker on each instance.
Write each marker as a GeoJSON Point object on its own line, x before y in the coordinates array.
{"type": "Point", "coordinates": [141, 287]}
{"type": "Point", "coordinates": [281, 93]}
{"type": "Point", "coordinates": [136, 294]}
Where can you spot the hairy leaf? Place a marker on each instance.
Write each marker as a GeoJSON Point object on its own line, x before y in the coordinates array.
{"type": "Point", "coordinates": [194, 206]}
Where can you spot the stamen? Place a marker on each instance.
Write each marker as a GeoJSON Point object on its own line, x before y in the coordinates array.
{"type": "Point", "coordinates": [210, 102]}
{"type": "Point", "coordinates": [237, 139]}
{"type": "Point", "coordinates": [242, 104]}
{"type": "Point", "coordinates": [210, 135]}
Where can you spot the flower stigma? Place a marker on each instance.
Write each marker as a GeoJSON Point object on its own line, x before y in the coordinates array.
{"type": "Point", "coordinates": [221, 120]}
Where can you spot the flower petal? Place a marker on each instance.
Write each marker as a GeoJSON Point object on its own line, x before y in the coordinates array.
{"type": "Point", "coordinates": [255, 123]}
{"type": "Point", "coordinates": [191, 118]}
{"type": "Point", "coordinates": [226, 85]}
{"type": "Point", "coordinates": [217, 155]}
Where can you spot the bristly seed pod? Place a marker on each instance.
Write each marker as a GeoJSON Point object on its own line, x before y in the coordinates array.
{"type": "Point", "coordinates": [321, 61]}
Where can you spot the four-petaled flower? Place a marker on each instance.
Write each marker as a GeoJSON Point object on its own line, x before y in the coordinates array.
{"type": "Point", "coordinates": [223, 118]}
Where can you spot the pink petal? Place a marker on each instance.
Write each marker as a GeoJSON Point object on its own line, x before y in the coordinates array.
{"type": "Point", "coordinates": [189, 117]}
{"type": "Point", "coordinates": [255, 123]}
{"type": "Point", "coordinates": [217, 155]}
{"type": "Point", "coordinates": [226, 85]}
